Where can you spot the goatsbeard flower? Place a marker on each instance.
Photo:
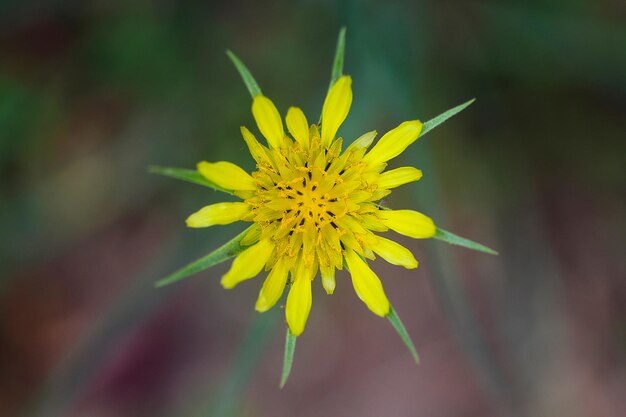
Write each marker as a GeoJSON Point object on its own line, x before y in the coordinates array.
{"type": "Point", "coordinates": [313, 207]}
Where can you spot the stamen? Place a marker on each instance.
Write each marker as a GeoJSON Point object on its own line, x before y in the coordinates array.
{"type": "Point", "coordinates": [304, 202]}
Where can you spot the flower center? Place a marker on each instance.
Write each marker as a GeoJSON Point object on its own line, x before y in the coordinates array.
{"type": "Point", "coordinates": [310, 201]}
{"type": "Point", "coordinates": [309, 198]}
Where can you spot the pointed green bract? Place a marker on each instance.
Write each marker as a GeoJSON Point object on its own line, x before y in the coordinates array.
{"type": "Point", "coordinates": [337, 69]}
{"type": "Point", "coordinates": [290, 347]}
{"type": "Point", "coordinates": [436, 121]}
{"type": "Point", "coordinates": [188, 175]}
{"type": "Point", "coordinates": [219, 255]}
{"type": "Point", "coordinates": [442, 234]}
{"type": "Point", "coordinates": [404, 335]}
{"type": "Point", "coordinates": [453, 239]}
{"type": "Point", "coordinates": [247, 77]}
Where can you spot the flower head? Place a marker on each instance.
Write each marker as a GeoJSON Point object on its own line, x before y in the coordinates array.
{"type": "Point", "coordinates": [314, 206]}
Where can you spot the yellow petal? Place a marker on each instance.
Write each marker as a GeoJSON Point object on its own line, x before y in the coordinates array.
{"type": "Point", "coordinates": [367, 285]}
{"type": "Point", "coordinates": [298, 126]}
{"type": "Point", "coordinates": [409, 223]}
{"type": "Point", "coordinates": [336, 108]}
{"type": "Point", "coordinates": [393, 252]}
{"type": "Point", "coordinates": [399, 176]}
{"type": "Point", "coordinates": [220, 213]}
{"type": "Point", "coordinates": [299, 302]}
{"type": "Point", "coordinates": [248, 263]}
{"type": "Point", "coordinates": [363, 141]}
{"type": "Point", "coordinates": [394, 142]}
{"type": "Point", "coordinates": [256, 150]}
{"type": "Point", "coordinates": [268, 120]}
{"type": "Point", "coordinates": [273, 286]}
{"type": "Point", "coordinates": [252, 236]}
{"type": "Point", "coordinates": [227, 175]}
{"type": "Point", "coordinates": [328, 278]}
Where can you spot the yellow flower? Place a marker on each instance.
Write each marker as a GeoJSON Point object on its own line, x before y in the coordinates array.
{"type": "Point", "coordinates": [315, 207]}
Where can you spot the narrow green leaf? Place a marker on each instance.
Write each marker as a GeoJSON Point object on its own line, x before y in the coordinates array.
{"type": "Point", "coordinates": [188, 175]}
{"type": "Point", "coordinates": [436, 121]}
{"type": "Point", "coordinates": [247, 77]}
{"type": "Point", "coordinates": [404, 335]}
{"type": "Point", "coordinates": [337, 69]}
{"type": "Point", "coordinates": [290, 347]}
{"type": "Point", "coordinates": [219, 255]}
{"type": "Point", "coordinates": [453, 239]}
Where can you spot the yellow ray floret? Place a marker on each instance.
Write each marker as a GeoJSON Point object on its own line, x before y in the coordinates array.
{"type": "Point", "coordinates": [248, 263]}
{"type": "Point", "coordinates": [367, 285]}
{"type": "Point", "coordinates": [273, 285]}
{"type": "Point", "coordinates": [393, 252]}
{"type": "Point", "coordinates": [268, 120]}
{"type": "Point", "coordinates": [220, 213]}
{"type": "Point", "coordinates": [336, 108]}
{"type": "Point", "coordinates": [409, 223]}
{"type": "Point", "coordinates": [394, 142]}
{"type": "Point", "coordinates": [226, 175]}
{"type": "Point", "coordinates": [328, 278]}
{"type": "Point", "coordinates": [299, 300]}
{"type": "Point", "coordinates": [399, 176]}
{"type": "Point", "coordinates": [298, 126]}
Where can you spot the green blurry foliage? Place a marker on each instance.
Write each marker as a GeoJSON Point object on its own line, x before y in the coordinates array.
{"type": "Point", "coordinates": [140, 52]}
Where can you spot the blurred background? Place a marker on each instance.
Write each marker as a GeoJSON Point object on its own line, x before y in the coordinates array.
{"type": "Point", "coordinates": [93, 92]}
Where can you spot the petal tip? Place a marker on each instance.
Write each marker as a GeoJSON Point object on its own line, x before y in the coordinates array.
{"type": "Point", "coordinates": [193, 222]}
{"type": "Point", "coordinates": [261, 306]}
{"type": "Point", "coordinates": [201, 164]}
{"type": "Point", "coordinates": [227, 282]}
{"type": "Point", "coordinates": [412, 265]}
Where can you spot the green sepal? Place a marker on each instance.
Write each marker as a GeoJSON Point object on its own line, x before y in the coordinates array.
{"type": "Point", "coordinates": [188, 175]}
{"type": "Point", "coordinates": [290, 348]}
{"type": "Point", "coordinates": [453, 239]}
{"type": "Point", "coordinates": [337, 68]}
{"type": "Point", "coordinates": [247, 77]}
{"type": "Point", "coordinates": [395, 321]}
{"type": "Point", "coordinates": [229, 250]}
{"type": "Point", "coordinates": [436, 121]}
